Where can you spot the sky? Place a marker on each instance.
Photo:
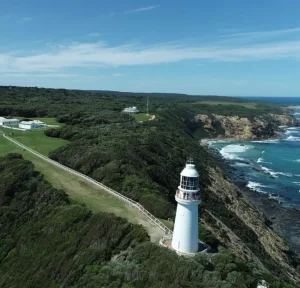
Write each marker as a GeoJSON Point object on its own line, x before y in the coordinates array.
{"type": "Point", "coordinates": [215, 47]}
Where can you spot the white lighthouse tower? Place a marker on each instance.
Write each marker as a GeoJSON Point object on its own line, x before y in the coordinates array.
{"type": "Point", "coordinates": [262, 284]}
{"type": "Point", "coordinates": [185, 235]}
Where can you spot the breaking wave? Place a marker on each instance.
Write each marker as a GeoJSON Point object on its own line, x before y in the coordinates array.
{"type": "Point", "coordinates": [269, 171]}
{"type": "Point", "coordinates": [292, 138]}
{"type": "Point", "coordinates": [229, 152]}
{"type": "Point", "coordinates": [270, 141]}
{"type": "Point", "coordinates": [256, 186]}
{"type": "Point", "coordinates": [239, 164]}
{"type": "Point", "coordinates": [284, 174]}
{"type": "Point", "coordinates": [260, 160]}
{"type": "Point", "coordinates": [292, 128]}
{"type": "Point", "coordinates": [289, 132]}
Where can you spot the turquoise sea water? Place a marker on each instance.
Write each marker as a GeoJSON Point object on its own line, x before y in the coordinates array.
{"type": "Point", "coordinates": [270, 166]}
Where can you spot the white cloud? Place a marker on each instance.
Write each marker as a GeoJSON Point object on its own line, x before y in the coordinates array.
{"type": "Point", "coordinates": [142, 9]}
{"type": "Point", "coordinates": [89, 55]}
{"type": "Point", "coordinates": [48, 75]}
{"type": "Point", "coordinates": [261, 35]}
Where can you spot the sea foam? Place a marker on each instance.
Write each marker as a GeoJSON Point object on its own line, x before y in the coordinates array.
{"type": "Point", "coordinates": [292, 139]}
{"type": "Point", "coordinates": [260, 160]}
{"type": "Point", "coordinates": [256, 186]}
{"type": "Point", "coordinates": [270, 141]}
{"type": "Point", "coordinates": [292, 128]}
{"type": "Point", "coordinates": [269, 171]}
{"type": "Point", "coordinates": [229, 152]}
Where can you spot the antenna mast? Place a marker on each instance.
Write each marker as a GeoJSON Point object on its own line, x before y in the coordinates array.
{"type": "Point", "coordinates": [148, 105]}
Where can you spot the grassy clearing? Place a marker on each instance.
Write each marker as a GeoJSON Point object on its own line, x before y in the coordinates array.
{"type": "Point", "coordinates": [249, 105]}
{"type": "Point", "coordinates": [81, 191]}
{"type": "Point", "coordinates": [36, 139]}
{"type": "Point", "coordinates": [141, 117]}
{"type": "Point", "coordinates": [8, 147]}
{"type": "Point", "coordinates": [168, 223]}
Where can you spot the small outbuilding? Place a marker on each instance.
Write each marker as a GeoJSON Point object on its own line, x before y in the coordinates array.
{"type": "Point", "coordinates": [131, 110]}
{"type": "Point", "coordinates": [31, 125]}
{"type": "Point", "coordinates": [9, 122]}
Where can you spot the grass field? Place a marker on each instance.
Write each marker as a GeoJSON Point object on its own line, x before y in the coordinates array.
{"type": "Point", "coordinates": [36, 139]}
{"type": "Point", "coordinates": [141, 117]}
{"type": "Point", "coordinates": [8, 147]}
{"type": "Point", "coordinates": [249, 105]}
{"type": "Point", "coordinates": [81, 191]}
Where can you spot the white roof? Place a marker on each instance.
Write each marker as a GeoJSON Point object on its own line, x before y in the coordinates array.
{"type": "Point", "coordinates": [189, 171]}
{"type": "Point", "coordinates": [26, 122]}
{"type": "Point", "coordinates": [32, 122]}
{"type": "Point", "coordinates": [3, 119]}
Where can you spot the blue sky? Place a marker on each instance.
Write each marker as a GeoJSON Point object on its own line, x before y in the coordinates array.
{"type": "Point", "coordinates": [216, 47]}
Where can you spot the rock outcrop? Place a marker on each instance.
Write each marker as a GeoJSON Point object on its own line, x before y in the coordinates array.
{"type": "Point", "coordinates": [244, 227]}
{"type": "Point", "coordinates": [240, 128]}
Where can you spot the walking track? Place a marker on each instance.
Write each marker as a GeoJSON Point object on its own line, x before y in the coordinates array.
{"type": "Point", "coordinates": [155, 228]}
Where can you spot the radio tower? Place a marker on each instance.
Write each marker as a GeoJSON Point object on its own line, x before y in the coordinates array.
{"type": "Point", "coordinates": [185, 235]}
{"type": "Point", "coordinates": [148, 105]}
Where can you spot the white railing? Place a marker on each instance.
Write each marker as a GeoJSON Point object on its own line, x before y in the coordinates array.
{"type": "Point", "coordinates": [129, 201]}
{"type": "Point", "coordinates": [205, 248]}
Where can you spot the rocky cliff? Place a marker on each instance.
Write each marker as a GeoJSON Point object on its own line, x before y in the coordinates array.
{"type": "Point", "coordinates": [236, 127]}
{"type": "Point", "coordinates": [243, 229]}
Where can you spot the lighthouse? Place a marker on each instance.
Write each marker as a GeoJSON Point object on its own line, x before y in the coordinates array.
{"type": "Point", "coordinates": [185, 234]}
{"type": "Point", "coordinates": [262, 284]}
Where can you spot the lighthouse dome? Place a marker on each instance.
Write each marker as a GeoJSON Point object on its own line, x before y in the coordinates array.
{"type": "Point", "coordinates": [190, 171]}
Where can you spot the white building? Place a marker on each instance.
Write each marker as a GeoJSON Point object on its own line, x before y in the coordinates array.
{"type": "Point", "coordinates": [262, 284]}
{"type": "Point", "coordinates": [185, 235]}
{"type": "Point", "coordinates": [9, 122]}
{"type": "Point", "coordinates": [131, 110]}
{"type": "Point", "coordinates": [31, 125]}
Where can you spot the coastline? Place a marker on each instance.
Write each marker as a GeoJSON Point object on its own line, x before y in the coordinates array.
{"type": "Point", "coordinates": [207, 141]}
{"type": "Point", "coordinates": [285, 221]}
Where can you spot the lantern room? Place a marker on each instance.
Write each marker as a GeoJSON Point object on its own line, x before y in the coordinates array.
{"type": "Point", "coordinates": [189, 179]}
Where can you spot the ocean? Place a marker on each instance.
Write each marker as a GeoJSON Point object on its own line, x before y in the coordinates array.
{"type": "Point", "coordinates": [270, 166]}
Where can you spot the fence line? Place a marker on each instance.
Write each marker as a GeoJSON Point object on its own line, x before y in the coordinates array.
{"type": "Point", "coordinates": [127, 200]}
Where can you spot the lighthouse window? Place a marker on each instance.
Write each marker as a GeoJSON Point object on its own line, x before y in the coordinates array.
{"type": "Point", "coordinates": [189, 183]}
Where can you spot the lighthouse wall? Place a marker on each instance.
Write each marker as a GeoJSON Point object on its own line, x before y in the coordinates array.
{"type": "Point", "coordinates": [185, 235]}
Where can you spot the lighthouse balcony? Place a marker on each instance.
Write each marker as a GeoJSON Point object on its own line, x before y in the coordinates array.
{"type": "Point", "coordinates": [188, 196]}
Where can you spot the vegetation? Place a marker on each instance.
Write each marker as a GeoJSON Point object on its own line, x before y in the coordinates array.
{"type": "Point", "coordinates": [80, 190]}
{"type": "Point", "coordinates": [36, 139]}
{"type": "Point", "coordinates": [249, 105]}
{"type": "Point", "coordinates": [45, 241]}
{"type": "Point", "coordinates": [142, 117]}
{"type": "Point", "coordinates": [142, 161]}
